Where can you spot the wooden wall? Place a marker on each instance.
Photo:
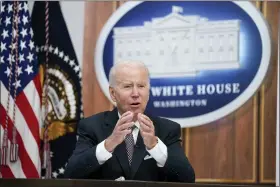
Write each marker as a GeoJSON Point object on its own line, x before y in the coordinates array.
{"type": "Point", "coordinates": [239, 148]}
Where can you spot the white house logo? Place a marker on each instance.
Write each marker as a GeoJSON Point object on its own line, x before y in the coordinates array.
{"type": "Point", "coordinates": [179, 45]}
{"type": "Point", "coordinates": [204, 62]}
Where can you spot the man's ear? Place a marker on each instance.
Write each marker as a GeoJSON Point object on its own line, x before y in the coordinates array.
{"type": "Point", "coordinates": [112, 93]}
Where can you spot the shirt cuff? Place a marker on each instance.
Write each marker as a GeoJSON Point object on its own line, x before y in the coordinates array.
{"type": "Point", "coordinates": [159, 153]}
{"type": "Point", "coordinates": [102, 154]}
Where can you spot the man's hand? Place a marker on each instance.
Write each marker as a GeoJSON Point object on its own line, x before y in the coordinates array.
{"type": "Point", "coordinates": [147, 131]}
{"type": "Point", "coordinates": [120, 131]}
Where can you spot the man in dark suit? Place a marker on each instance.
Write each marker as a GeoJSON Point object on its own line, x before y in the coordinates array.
{"type": "Point", "coordinates": [127, 143]}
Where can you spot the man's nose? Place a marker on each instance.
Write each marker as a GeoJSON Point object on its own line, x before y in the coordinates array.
{"type": "Point", "coordinates": [135, 92]}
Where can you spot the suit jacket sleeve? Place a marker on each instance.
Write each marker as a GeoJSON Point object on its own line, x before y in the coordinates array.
{"type": "Point", "coordinates": [83, 161]}
{"type": "Point", "coordinates": [177, 167]}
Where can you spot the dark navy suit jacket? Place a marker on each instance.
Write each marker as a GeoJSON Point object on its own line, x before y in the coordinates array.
{"type": "Point", "coordinates": [93, 130]}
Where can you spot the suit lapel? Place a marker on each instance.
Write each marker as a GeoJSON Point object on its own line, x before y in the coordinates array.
{"type": "Point", "coordinates": [121, 154]}
{"type": "Point", "coordinates": [120, 151]}
{"type": "Point", "coordinates": [138, 155]}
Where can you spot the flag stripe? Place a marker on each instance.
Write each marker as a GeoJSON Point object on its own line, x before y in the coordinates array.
{"type": "Point", "coordinates": [33, 97]}
{"type": "Point", "coordinates": [29, 142]}
{"type": "Point", "coordinates": [28, 114]}
{"type": "Point", "coordinates": [6, 172]}
{"type": "Point", "coordinates": [28, 167]}
{"type": "Point", "coordinates": [38, 87]}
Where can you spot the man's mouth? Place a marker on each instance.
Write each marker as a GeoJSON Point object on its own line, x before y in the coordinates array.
{"type": "Point", "coordinates": [135, 104]}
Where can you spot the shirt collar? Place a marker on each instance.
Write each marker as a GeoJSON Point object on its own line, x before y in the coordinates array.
{"type": "Point", "coordinates": [136, 123]}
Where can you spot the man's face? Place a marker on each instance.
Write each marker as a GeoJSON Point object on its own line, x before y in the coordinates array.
{"type": "Point", "coordinates": [131, 90]}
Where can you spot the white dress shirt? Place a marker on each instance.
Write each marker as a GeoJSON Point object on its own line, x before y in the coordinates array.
{"type": "Point", "coordinates": [158, 152]}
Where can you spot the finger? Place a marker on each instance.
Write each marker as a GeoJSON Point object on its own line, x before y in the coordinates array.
{"type": "Point", "coordinates": [145, 117]}
{"type": "Point", "coordinates": [126, 132]}
{"type": "Point", "coordinates": [125, 126]}
{"type": "Point", "coordinates": [127, 118]}
{"type": "Point", "coordinates": [146, 135]}
{"type": "Point", "coordinates": [142, 134]}
{"type": "Point", "coordinates": [149, 121]}
{"type": "Point", "coordinates": [144, 127]}
{"type": "Point", "coordinates": [126, 113]}
{"type": "Point", "coordinates": [146, 121]}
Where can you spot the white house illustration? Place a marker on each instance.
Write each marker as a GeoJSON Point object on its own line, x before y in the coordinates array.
{"type": "Point", "coordinates": [178, 45]}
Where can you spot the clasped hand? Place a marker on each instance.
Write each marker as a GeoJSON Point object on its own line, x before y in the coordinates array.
{"type": "Point", "coordinates": [122, 128]}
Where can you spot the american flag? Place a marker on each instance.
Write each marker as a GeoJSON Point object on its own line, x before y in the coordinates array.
{"type": "Point", "coordinates": [15, 21]}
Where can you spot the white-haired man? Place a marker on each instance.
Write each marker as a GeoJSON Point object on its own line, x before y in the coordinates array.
{"type": "Point", "coordinates": [128, 142]}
